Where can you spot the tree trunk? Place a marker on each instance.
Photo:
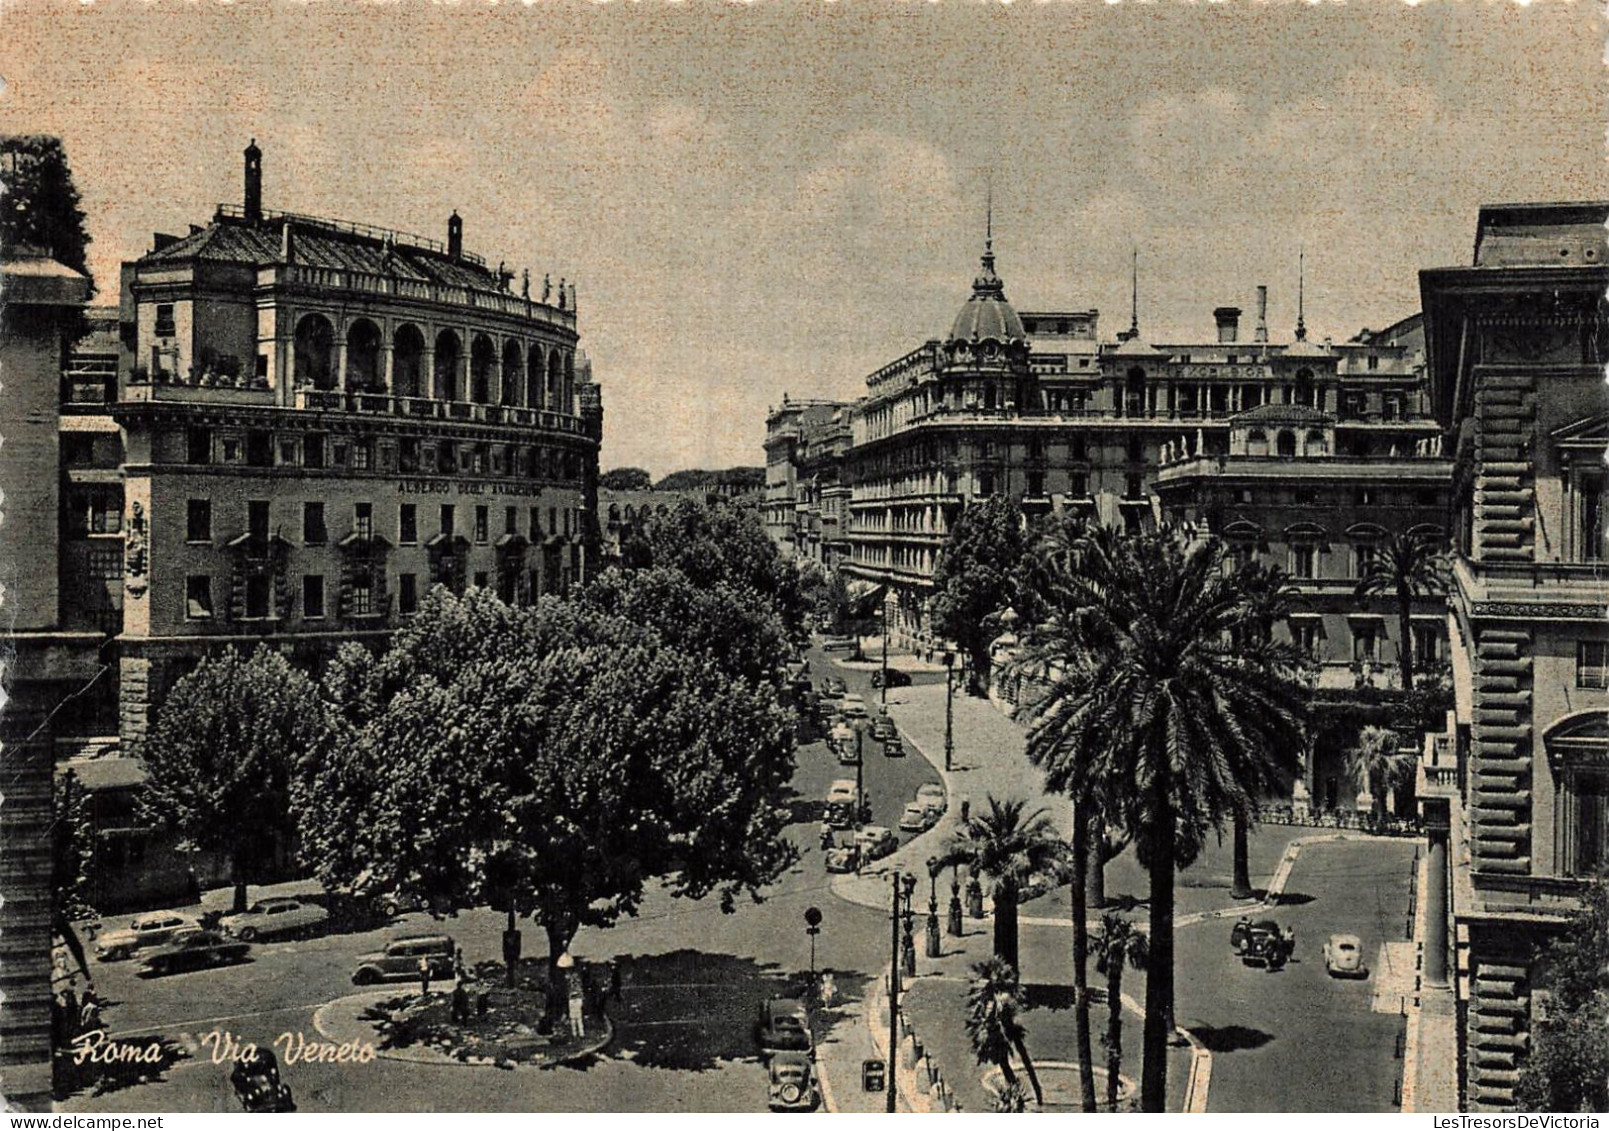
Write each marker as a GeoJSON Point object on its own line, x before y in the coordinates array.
{"type": "Point", "coordinates": [238, 866]}
{"type": "Point", "coordinates": [1095, 890]}
{"type": "Point", "coordinates": [1114, 1029]}
{"type": "Point", "coordinates": [1405, 636]}
{"type": "Point", "coordinates": [1242, 885]}
{"type": "Point", "coordinates": [1086, 1063]}
{"type": "Point", "coordinates": [559, 936]}
{"type": "Point", "coordinates": [1159, 980]}
{"type": "Point", "coordinates": [1033, 1077]}
{"type": "Point", "coordinates": [1005, 925]}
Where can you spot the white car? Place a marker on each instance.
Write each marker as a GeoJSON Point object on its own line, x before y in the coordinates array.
{"type": "Point", "coordinates": [154, 929]}
{"type": "Point", "coordinates": [875, 842]}
{"type": "Point", "coordinates": [278, 916]}
{"type": "Point", "coordinates": [1343, 957]}
{"type": "Point", "coordinates": [931, 794]}
{"type": "Point", "coordinates": [916, 818]}
{"type": "Point", "coordinates": [841, 790]}
{"type": "Point", "coordinates": [854, 706]}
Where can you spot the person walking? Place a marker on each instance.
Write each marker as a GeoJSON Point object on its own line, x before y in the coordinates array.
{"type": "Point", "coordinates": [424, 976]}
{"type": "Point", "coordinates": [460, 1002]}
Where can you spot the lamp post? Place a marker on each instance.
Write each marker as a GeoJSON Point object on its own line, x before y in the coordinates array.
{"type": "Point", "coordinates": [812, 918]}
{"type": "Point", "coordinates": [934, 867]}
{"type": "Point", "coordinates": [893, 996]}
{"type": "Point", "coordinates": [860, 774]}
{"type": "Point", "coordinates": [954, 925]}
{"type": "Point", "coordinates": [883, 690]}
{"type": "Point", "coordinates": [908, 943]}
{"type": "Point", "coordinates": [949, 709]}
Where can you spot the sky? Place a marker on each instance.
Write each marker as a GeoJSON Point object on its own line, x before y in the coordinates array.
{"type": "Point", "coordinates": [781, 197]}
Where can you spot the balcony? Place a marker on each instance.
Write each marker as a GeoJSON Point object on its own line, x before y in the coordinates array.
{"type": "Point", "coordinates": [425, 408]}
{"type": "Point", "coordinates": [302, 277]}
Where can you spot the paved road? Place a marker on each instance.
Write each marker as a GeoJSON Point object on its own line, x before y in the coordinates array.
{"type": "Point", "coordinates": [684, 1041]}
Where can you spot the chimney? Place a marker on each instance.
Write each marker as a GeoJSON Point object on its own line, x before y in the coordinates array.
{"type": "Point", "coordinates": [455, 236]}
{"type": "Point", "coordinates": [1262, 314]}
{"type": "Point", "coordinates": [254, 182]}
{"type": "Point", "coordinates": [1228, 318]}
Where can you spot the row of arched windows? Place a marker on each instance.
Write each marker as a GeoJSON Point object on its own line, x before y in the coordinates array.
{"type": "Point", "coordinates": [531, 377]}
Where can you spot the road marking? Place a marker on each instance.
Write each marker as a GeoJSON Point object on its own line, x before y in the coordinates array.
{"type": "Point", "coordinates": [203, 1021]}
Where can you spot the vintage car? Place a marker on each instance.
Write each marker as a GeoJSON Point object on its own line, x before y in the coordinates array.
{"type": "Point", "coordinates": [854, 707]}
{"type": "Point", "coordinates": [143, 931]}
{"type": "Point", "coordinates": [875, 841]}
{"type": "Point", "coordinates": [838, 644]}
{"type": "Point", "coordinates": [1262, 942]}
{"type": "Point", "coordinates": [1343, 957]}
{"type": "Point", "coordinates": [931, 794]}
{"type": "Point", "coordinates": [194, 949]}
{"type": "Point", "coordinates": [783, 1025]}
{"type": "Point", "coordinates": [792, 1082]}
{"type": "Point", "coordinates": [400, 959]}
{"type": "Point", "coordinates": [833, 688]}
{"type": "Point", "coordinates": [883, 728]}
{"type": "Point", "coordinates": [915, 819]}
{"type": "Point", "coordinates": [894, 747]}
{"type": "Point", "coordinates": [843, 858]}
{"type": "Point", "coordinates": [848, 752]}
{"type": "Point", "coordinates": [278, 916]}
{"type": "Point", "coordinates": [896, 678]}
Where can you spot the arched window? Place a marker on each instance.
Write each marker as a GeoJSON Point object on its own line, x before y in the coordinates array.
{"type": "Point", "coordinates": [1578, 753]}
{"type": "Point", "coordinates": [449, 352]}
{"type": "Point", "coordinates": [569, 382]}
{"type": "Point", "coordinates": [1257, 442]}
{"type": "Point", "coordinates": [1315, 443]}
{"type": "Point", "coordinates": [534, 368]}
{"type": "Point", "coordinates": [513, 372]}
{"type": "Point", "coordinates": [1287, 442]}
{"type": "Point", "coordinates": [482, 366]}
{"type": "Point", "coordinates": [407, 361]}
{"type": "Point", "coordinates": [315, 347]}
{"type": "Point", "coordinates": [555, 379]}
{"type": "Point", "coordinates": [363, 357]}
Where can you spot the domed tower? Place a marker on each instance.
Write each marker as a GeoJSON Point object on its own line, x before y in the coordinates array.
{"type": "Point", "coordinates": [986, 354]}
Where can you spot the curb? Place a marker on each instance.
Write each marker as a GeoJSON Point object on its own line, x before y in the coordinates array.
{"type": "Point", "coordinates": [1410, 1040]}
{"type": "Point", "coordinates": [432, 1056]}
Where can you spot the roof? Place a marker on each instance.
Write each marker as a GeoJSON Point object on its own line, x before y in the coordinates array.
{"type": "Point", "coordinates": [100, 774]}
{"type": "Point", "coordinates": [32, 278]}
{"type": "Point", "coordinates": [1282, 414]}
{"type": "Point", "coordinates": [986, 313]}
{"type": "Point", "coordinates": [321, 243]}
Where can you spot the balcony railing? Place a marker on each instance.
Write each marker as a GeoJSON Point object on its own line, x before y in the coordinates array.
{"type": "Point", "coordinates": [305, 277]}
{"type": "Point", "coordinates": [335, 400]}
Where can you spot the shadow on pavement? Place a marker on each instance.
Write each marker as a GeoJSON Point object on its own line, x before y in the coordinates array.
{"type": "Point", "coordinates": [1292, 899]}
{"type": "Point", "coordinates": [1042, 996]}
{"type": "Point", "coordinates": [1230, 1038]}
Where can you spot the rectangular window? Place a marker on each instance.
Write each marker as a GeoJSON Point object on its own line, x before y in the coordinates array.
{"type": "Point", "coordinates": [313, 596]}
{"type": "Point", "coordinates": [1426, 645]}
{"type": "Point", "coordinates": [480, 580]}
{"type": "Point", "coordinates": [259, 596]}
{"type": "Point", "coordinates": [313, 449]}
{"type": "Point", "coordinates": [198, 521]}
{"type": "Point", "coordinates": [408, 455]}
{"type": "Point", "coordinates": [481, 522]}
{"type": "Point", "coordinates": [1365, 642]}
{"type": "Point", "coordinates": [1133, 487]}
{"type": "Point", "coordinates": [231, 449]}
{"type": "Point", "coordinates": [1592, 494]}
{"type": "Point", "coordinates": [1304, 636]}
{"type": "Point", "coordinates": [536, 522]}
{"type": "Point", "coordinates": [1304, 561]}
{"type": "Point", "coordinates": [198, 596]}
{"type": "Point", "coordinates": [257, 519]}
{"type": "Point", "coordinates": [553, 520]}
{"type": "Point", "coordinates": [407, 593]}
{"type": "Point", "coordinates": [1078, 485]}
{"type": "Point", "coordinates": [446, 462]}
{"type": "Point", "coordinates": [511, 520]}
{"type": "Point", "coordinates": [363, 595]}
{"type": "Point", "coordinates": [1374, 361]}
{"type": "Point", "coordinates": [339, 453]}
{"type": "Point", "coordinates": [289, 453]}
{"type": "Point", "coordinates": [363, 521]}
{"type": "Point", "coordinates": [408, 524]}
{"type": "Point", "coordinates": [569, 515]}
{"type": "Point", "coordinates": [1592, 664]}
{"type": "Point", "coordinates": [165, 327]}
{"type": "Point", "coordinates": [1363, 559]}
{"type": "Point", "coordinates": [259, 448]}
{"type": "Point", "coordinates": [447, 520]}
{"type": "Point", "coordinates": [362, 455]}
{"type": "Point", "coordinates": [314, 532]}
{"type": "Point", "coordinates": [536, 584]}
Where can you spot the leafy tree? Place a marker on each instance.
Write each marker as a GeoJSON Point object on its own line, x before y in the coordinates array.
{"type": "Point", "coordinates": [221, 752]}
{"type": "Point", "coordinates": [1158, 717]}
{"type": "Point", "coordinates": [1568, 1068]}
{"type": "Point", "coordinates": [72, 862]}
{"type": "Point", "coordinates": [1376, 764]}
{"type": "Point", "coordinates": [40, 207]}
{"type": "Point", "coordinates": [1405, 566]}
{"type": "Point", "coordinates": [994, 1022]}
{"type": "Point", "coordinates": [1118, 943]}
{"type": "Point", "coordinates": [1007, 845]}
{"type": "Point", "coordinates": [721, 544]}
{"type": "Point", "coordinates": [556, 759]}
{"type": "Point", "coordinates": [626, 479]}
{"type": "Point", "coordinates": [977, 578]}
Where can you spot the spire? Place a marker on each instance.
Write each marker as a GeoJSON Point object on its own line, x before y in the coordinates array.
{"type": "Point", "coordinates": [1301, 325]}
{"type": "Point", "coordinates": [988, 229]}
{"type": "Point", "coordinates": [1134, 298]}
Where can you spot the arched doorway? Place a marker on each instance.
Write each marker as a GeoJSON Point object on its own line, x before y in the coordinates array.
{"type": "Point", "coordinates": [533, 379]}
{"type": "Point", "coordinates": [482, 366]}
{"type": "Point", "coordinates": [513, 373]}
{"type": "Point", "coordinates": [1287, 443]}
{"type": "Point", "coordinates": [1578, 754]}
{"type": "Point", "coordinates": [407, 361]}
{"type": "Point", "coordinates": [449, 352]}
{"type": "Point", "coordinates": [315, 348]}
{"type": "Point", "coordinates": [363, 372]}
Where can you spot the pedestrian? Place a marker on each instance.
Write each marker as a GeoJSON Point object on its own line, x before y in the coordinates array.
{"type": "Point", "coordinates": [424, 976]}
{"type": "Point", "coordinates": [192, 886]}
{"type": "Point", "coordinates": [829, 989]}
{"type": "Point", "coordinates": [460, 1002]}
{"type": "Point", "coordinates": [89, 1014]}
{"type": "Point", "coordinates": [458, 962]}
{"type": "Point", "coordinates": [578, 1019]}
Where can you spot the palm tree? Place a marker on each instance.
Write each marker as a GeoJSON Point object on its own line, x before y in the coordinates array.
{"type": "Point", "coordinates": [1117, 944]}
{"type": "Point", "coordinates": [1007, 845]}
{"type": "Point", "coordinates": [1159, 717]}
{"type": "Point", "coordinates": [994, 1023]}
{"type": "Point", "coordinates": [1376, 764]}
{"type": "Point", "coordinates": [1084, 823]}
{"type": "Point", "coordinates": [1405, 566]}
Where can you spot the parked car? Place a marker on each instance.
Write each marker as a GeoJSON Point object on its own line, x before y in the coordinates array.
{"type": "Point", "coordinates": [931, 794]}
{"type": "Point", "coordinates": [783, 1025]}
{"type": "Point", "coordinates": [144, 931]}
{"type": "Point", "coordinates": [841, 790]}
{"type": "Point", "coordinates": [834, 688]}
{"type": "Point", "coordinates": [848, 753]}
{"type": "Point", "coordinates": [194, 949]}
{"type": "Point", "coordinates": [875, 841]}
{"type": "Point", "coordinates": [916, 818]}
{"type": "Point", "coordinates": [269, 917]}
{"type": "Point", "coordinates": [896, 678]}
{"type": "Point", "coordinates": [792, 1083]}
{"type": "Point", "coordinates": [854, 706]}
{"type": "Point", "coordinates": [883, 728]}
{"type": "Point", "coordinates": [894, 747]}
{"type": "Point", "coordinates": [1343, 957]}
{"type": "Point", "coordinates": [842, 859]}
{"type": "Point", "coordinates": [400, 959]}
{"type": "Point", "coordinates": [838, 644]}
{"type": "Point", "coordinates": [1263, 943]}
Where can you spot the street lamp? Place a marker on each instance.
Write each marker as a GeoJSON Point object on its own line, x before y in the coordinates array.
{"type": "Point", "coordinates": [934, 867]}
{"type": "Point", "coordinates": [954, 925]}
{"type": "Point", "coordinates": [883, 690]}
{"type": "Point", "coordinates": [812, 918]}
{"type": "Point", "coordinates": [908, 943]}
{"type": "Point", "coordinates": [949, 709]}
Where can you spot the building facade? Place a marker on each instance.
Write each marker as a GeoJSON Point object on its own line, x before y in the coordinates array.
{"type": "Point", "coordinates": [1516, 791]}
{"type": "Point", "coordinates": [316, 421]}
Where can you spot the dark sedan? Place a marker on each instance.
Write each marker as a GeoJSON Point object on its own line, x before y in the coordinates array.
{"type": "Point", "coordinates": [195, 950]}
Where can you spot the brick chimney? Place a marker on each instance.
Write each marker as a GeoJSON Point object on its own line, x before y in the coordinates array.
{"type": "Point", "coordinates": [455, 236]}
{"type": "Point", "coordinates": [1261, 331]}
{"type": "Point", "coordinates": [1228, 318]}
{"type": "Point", "coordinates": [254, 182]}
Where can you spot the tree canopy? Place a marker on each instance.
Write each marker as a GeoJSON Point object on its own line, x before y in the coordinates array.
{"type": "Point", "coordinates": [557, 759]}
{"type": "Point", "coordinates": [1568, 1069]}
{"type": "Point", "coordinates": [978, 576]}
{"type": "Point", "coordinates": [626, 479]}
{"type": "Point", "coordinates": [220, 754]}
{"type": "Point", "coordinates": [40, 207]}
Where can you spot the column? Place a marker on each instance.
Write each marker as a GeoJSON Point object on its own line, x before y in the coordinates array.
{"type": "Point", "coordinates": [1436, 909]}
{"type": "Point", "coordinates": [463, 364]}
{"type": "Point", "coordinates": [340, 362]}
{"type": "Point", "coordinates": [387, 349]}
{"type": "Point", "coordinates": [427, 370]}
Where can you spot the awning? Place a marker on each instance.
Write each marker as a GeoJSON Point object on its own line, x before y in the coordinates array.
{"type": "Point", "coordinates": [356, 539]}
{"type": "Point", "coordinates": [865, 598]}
{"type": "Point", "coordinates": [512, 542]}
{"type": "Point", "coordinates": [437, 541]}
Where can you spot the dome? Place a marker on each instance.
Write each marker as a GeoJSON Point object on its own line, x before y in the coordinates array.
{"type": "Point", "coordinates": [987, 314]}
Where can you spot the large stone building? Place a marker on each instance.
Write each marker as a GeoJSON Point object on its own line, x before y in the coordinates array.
{"type": "Point", "coordinates": [315, 422]}
{"type": "Point", "coordinates": [1516, 792]}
